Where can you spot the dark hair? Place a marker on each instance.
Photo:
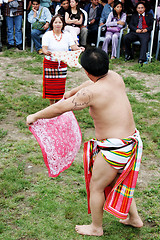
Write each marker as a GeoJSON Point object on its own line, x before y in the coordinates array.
{"type": "Point", "coordinates": [38, 1]}
{"type": "Point", "coordinates": [95, 61]}
{"type": "Point", "coordinates": [114, 12]}
{"type": "Point", "coordinates": [143, 3]}
{"type": "Point", "coordinates": [104, 1]}
{"type": "Point", "coordinates": [64, 0]}
{"type": "Point", "coordinates": [54, 18]}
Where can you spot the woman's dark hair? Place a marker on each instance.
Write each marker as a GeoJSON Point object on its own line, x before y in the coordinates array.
{"type": "Point", "coordinates": [38, 1]}
{"type": "Point", "coordinates": [54, 18]}
{"type": "Point", "coordinates": [95, 61]}
{"type": "Point", "coordinates": [114, 12]}
{"type": "Point", "coordinates": [79, 12]}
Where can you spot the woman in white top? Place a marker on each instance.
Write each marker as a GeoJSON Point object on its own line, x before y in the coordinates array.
{"type": "Point", "coordinates": [73, 19]}
{"type": "Point", "coordinates": [54, 72]}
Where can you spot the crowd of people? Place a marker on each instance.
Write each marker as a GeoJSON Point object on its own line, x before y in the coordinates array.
{"type": "Point", "coordinates": [82, 20]}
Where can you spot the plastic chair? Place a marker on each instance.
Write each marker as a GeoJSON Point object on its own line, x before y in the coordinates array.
{"type": "Point", "coordinates": [158, 45]}
{"type": "Point", "coordinates": [32, 43]}
{"type": "Point", "coordinates": [102, 38]}
{"type": "Point", "coordinates": [138, 42]}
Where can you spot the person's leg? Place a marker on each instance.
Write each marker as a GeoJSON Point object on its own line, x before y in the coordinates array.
{"type": "Point", "coordinates": [115, 37]}
{"type": "Point", "coordinates": [144, 39]}
{"type": "Point", "coordinates": [83, 36]}
{"type": "Point", "coordinates": [128, 39]}
{"type": "Point", "coordinates": [92, 33]}
{"type": "Point", "coordinates": [107, 40]}
{"type": "Point", "coordinates": [102, 175]}
{"type": "Point", "coordinates": [35, 33]}
{"type": "Point", "coordinates": [10, 28]}
{"type": "Point", "coordinates": [134, 218]}
{"type": "Point", "coordinates": [18, 29]}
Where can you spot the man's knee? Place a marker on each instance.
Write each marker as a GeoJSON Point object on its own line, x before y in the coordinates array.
{"type": "Point", "coordinates": [34, 33]}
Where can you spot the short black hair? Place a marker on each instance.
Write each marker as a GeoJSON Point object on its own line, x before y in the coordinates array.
{"type": "Point", "coordinates": [61, 1]}
{"type": "Point", "coordinates": [141, 2]}
{"type": "Point", "coordinates": [38, 1]}
{"type": "Point", "coordinates": [95, 61]}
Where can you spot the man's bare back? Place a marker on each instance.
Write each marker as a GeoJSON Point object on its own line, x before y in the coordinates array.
{"type": "Point", "coordinates": [108, 106]}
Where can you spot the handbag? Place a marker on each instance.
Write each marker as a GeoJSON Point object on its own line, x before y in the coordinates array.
{"type": "Point", "coordinates": [38, 25]}
{"type": "Point", "coordinates": [113, 29]}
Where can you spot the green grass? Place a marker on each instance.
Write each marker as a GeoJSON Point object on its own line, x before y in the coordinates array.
{"type": "Point", "coordinates": [36, 207]}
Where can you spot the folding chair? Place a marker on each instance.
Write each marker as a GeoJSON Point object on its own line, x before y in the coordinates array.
{"type": "Point", "coordinates": [138, 42]}
{"type": "Point", "coordinates": [101, 38]}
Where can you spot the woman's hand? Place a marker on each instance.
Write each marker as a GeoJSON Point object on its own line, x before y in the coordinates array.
{"type": "Point", "coordinates": [46, 51]}
{"type": "Point", "coordinates": [30, 119]}
{"type": "Point", "coordinates": [121, 23]}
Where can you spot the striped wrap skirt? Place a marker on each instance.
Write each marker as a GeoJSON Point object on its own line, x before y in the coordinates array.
{"type": "Point", "coordinates": [54, 79]}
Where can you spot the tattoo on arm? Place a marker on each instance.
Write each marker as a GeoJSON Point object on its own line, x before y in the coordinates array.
{"type": "Point", "coordinates": [82, 99]}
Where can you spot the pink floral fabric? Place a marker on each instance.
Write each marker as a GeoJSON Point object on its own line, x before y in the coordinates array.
{"type": "Point", "coordinates": [68, 57]}
{"type": "Point", "coordinates": [60, 139]}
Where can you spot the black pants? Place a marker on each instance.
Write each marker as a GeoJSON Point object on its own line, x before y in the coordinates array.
{"type": "Point", "coordinates": [132, 37]}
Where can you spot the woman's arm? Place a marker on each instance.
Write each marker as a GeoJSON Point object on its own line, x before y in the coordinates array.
{"type": "Point", "coordinates": [75, 47]}
{"type": "Point", "coordinates": [45, 51]}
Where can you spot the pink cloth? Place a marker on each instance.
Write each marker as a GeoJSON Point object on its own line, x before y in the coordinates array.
{"type": "Point", "coordinates": [60, 139]}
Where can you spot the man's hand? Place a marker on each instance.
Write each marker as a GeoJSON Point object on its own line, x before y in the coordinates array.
{"type": "Point", "coordinates": [92, 21]}
{"type": "Point", "coordinates": [138, 30]}
{"type": "Point", "coordinates": [30, 119]}
{"type": "Point", "coordinates": [144, 30]}
{"type": "Point", "coordinates": [67, 94]}
{"type": "Point", "coordinates": [45, 27]}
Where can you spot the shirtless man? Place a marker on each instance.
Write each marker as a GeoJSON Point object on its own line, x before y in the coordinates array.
{"type": "Point", "coordinates": [110, 109]}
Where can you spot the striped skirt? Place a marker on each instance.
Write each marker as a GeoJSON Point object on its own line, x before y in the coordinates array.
{"type": "Point", "coordinates": [54, 79]}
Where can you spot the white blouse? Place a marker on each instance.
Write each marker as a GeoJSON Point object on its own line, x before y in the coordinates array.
{"type": "Point", "coordinates": [49, 40]}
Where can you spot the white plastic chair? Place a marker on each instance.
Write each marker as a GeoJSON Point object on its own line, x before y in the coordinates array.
{"type": "Point", "coordinates": [138, 42]}
{"type": "Point", "coordinates": [102, 38]}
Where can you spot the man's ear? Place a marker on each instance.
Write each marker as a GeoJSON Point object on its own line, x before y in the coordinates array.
{"type": "Point", "coordinates": [86, 73]}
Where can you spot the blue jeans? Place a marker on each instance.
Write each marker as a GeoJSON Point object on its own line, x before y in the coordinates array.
{"type": "Point", "coordinates": [35, 34]}
{"type": "Point", "coordinates": [17, 22]}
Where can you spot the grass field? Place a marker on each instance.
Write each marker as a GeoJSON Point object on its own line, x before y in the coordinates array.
{"type": "Point", "coordinates": [36, 207]}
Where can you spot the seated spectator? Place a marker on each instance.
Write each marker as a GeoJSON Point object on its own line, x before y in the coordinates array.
{"type": "Point", "coordinates": [73, 20]}
{"type": "Point", "coordinates": [107, 8]}
{"type": "Point", "coordinates": [94, 10]}
{"type": "Point", "coordinates": [63, 8]}
{"type": "Point", "coordinates": [13, 12]}
{"type": "Point", "coordinates": [116, 20]}
{"type": "Point", "coordinates": [45, 3]}
{"type": "Point", "coordinates": [141, 25]}
{"type": "Point", "coordinates": [43, 15]}
{"type": "Point", "coordinates": [48, 4]}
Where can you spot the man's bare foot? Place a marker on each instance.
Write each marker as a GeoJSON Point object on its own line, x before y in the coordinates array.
{"type": "Point", "coordinates": [89, 230]}
{"type": "Point", "coordinates": [132, 222]}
